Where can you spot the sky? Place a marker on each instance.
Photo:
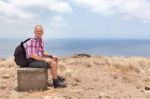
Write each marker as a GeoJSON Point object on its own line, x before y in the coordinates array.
{"type": "Point", "coordinates": [76, 18]}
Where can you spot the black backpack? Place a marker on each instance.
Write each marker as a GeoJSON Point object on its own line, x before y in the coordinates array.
{"type": "Point", "coordinates": [20, 55]}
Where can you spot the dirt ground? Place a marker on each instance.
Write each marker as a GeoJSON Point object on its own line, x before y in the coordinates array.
{"type": "Point", "coordinates": [87, 77]}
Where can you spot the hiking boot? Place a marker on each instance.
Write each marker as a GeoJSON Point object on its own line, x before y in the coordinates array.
{"type": "Point", "coordinates": [60, 78]}
{"type": "Point", "coordinates": [58, 84]}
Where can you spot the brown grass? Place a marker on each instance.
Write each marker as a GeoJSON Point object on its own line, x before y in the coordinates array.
{"type": "Point", "coordinates": [72, 68]}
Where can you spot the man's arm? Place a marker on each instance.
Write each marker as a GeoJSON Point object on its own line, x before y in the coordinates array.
{"type": "Point", "coordinates": [36, 57]}
{"type": "Point", "coordinates": [50, 56]}
{"type": "Point", "coordinates": [31, 51]}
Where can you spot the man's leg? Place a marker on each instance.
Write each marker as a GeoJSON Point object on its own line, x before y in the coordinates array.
{"type": "Point", "coordinates": [53, 69]}
{"type": "Point", "coordinates": [53, 65]}
{"type": "Point", "coordinates": [56, 82]}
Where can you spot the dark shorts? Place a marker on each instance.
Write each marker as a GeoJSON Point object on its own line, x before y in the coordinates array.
{"type": "Point", "coordinates": [38, 64]}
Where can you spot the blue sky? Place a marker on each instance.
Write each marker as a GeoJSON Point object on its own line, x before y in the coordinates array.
{"type": "Point", "coordinates": [76, 18]}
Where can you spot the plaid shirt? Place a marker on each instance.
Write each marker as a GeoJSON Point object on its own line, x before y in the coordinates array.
{"type": "Point", "coordinates": [34, 46]}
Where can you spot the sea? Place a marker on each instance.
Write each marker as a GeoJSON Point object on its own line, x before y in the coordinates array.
{"type": "Point", "coordinates": [96, 47]}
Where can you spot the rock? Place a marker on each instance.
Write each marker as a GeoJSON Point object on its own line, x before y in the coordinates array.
{"type": "Point", "coordinates": [100, 97]}
{"type": "Point", "coordinates": [147, 93]}
{"type": "Point", "coordinates": [67, 97]}
{"type": "Point", "coordinates": [95, 79]}
{"type": "Point", "coordinates": [138, 87]}
{"type": "Point", "coordinates": [5, 76]}
{"type": "Point", "coordinates": [3, 86]}
{"type": "Point", "coordinates": [74, 84]}
{"type": "Point", "coordinates": [88, 65]}
{"type": "Point", "coordinates": [81, 55]}
{"type": "Point", "coordinates": [103, 96]}
{"type": "Point", "coordinates": [3, 59]}
{"type": "Point", "coordinates": [147, 88]}
{"type": "Point", "coordinates": [78, 92]}
{"type": "Point", "coordinates": [91, 87]}
{"type": "Point", "coordinates": [115, 77]}
{"type": "Point", "coordinates": [77, 80]}
{"type": "Point", "coordinates": [142, 90]}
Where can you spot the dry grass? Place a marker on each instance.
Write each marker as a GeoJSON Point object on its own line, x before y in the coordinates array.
{"type": "Point", "coordinates": [72, 69]}
{"type": "Point", "coordinates": [124, 64]}
{"type": "Point", "coordinates": [130, 64]}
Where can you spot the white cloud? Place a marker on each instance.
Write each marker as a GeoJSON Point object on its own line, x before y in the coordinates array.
{"type": "Point", "coordinates": [52, 5]}
{"type": "Point", "coordinates": [58, 21]}
{"type": "Point", "coordinates": [126, 8]}
{"type": "Point", "coordinates": [55, 27]}
{"type": "Point", "coordinates": [10, 11]}
{"type": "Point", "coordinates": [24, 9]}
{"type": "Point", "coordinates": [20, 16]}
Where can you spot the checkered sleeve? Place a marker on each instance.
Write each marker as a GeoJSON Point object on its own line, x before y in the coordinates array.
{"type": "Point", "coordinates": [31, 48]}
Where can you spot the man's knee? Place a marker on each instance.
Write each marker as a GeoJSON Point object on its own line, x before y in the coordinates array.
{"type": "Point", "coordinates": [53, 64]}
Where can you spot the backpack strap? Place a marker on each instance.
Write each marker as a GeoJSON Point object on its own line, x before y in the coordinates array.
{"type": "Point", "coordinates": [26, 40]}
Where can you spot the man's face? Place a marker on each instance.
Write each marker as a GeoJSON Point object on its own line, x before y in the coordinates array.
{"type": "Point", "coordinates": [38, 32]}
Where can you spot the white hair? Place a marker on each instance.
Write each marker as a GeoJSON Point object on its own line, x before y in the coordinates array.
{"type": "Point", "coordinates": [38, 26]}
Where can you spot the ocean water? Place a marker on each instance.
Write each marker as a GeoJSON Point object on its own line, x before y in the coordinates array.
{"type": "Point", "coordinates": [67, 47]}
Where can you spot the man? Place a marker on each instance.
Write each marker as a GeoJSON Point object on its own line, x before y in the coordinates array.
{"type": "Point", "coordinates": [37, 58]}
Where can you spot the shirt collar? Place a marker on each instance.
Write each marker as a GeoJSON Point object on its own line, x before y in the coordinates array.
{"type": "Point", "coordinates": [39, 39]}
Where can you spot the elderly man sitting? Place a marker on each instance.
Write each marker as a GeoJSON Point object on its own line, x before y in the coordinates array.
{"type": "Point", "coordinates": [38, 59]}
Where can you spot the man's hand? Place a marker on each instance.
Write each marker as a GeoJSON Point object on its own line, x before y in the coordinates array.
{"type": "Point", "coordinates": [49, 60]}
{"type": "Point", "coordinates": [55, 58]}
